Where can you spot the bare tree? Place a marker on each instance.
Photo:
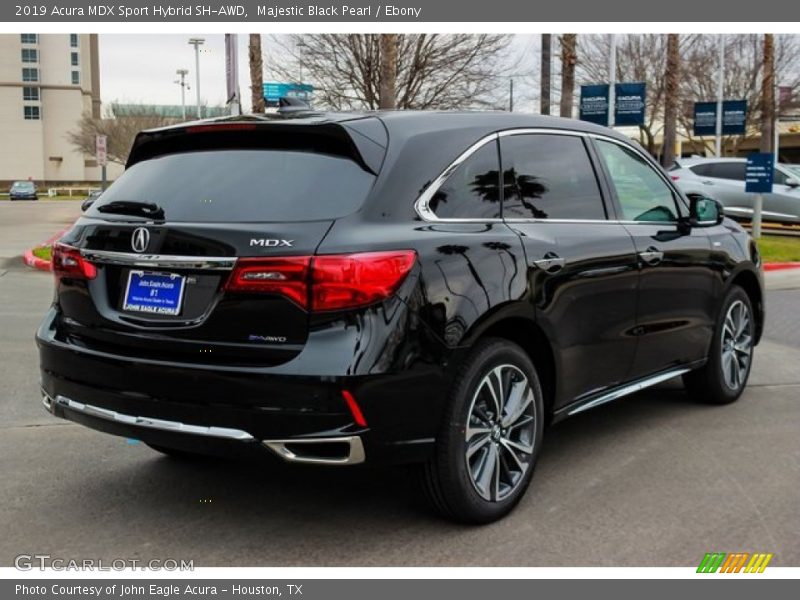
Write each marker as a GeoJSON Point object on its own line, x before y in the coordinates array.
{"type": "Point", "coordinates": [671, 100]}
{"type": "Point", "coordinates": [546, 74]}
{"type": "Point", "coordinates": [120, 130]}
{"type": "Point", "coordinates": [569, 58]}
{"type": "Point", "coordinates": [768, 94]}
{"type": "Point", "coordinates": [643, 58]}
{"type": "Point", "coordinates": [388, 76]}
{"type": "Point", "coordinates": [256, 73]}
{"type": "Point", "coordinates": [434, 71]}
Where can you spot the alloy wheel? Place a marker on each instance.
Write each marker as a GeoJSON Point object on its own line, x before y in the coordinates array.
{"type": "Point", "coordinates": [737, 345]}
{"type": "Point", "coordinates": [500, 433]}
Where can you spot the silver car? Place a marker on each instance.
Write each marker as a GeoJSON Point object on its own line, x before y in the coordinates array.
{"type": "Point", "coordinates": [723, 180]}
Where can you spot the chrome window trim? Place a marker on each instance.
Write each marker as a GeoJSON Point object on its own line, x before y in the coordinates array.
{"type": "Point", "coordinates": [422, 204]}
{"type": "Point", "coordinates": [424, 211]}
{"type": "Point", "coordinates": [165, 261]}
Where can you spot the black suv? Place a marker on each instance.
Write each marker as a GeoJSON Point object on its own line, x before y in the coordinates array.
{"type": "Point", "coordinates": [391, 287]}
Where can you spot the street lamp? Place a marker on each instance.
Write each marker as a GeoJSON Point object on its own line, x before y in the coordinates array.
{"type": "Point", "coordinates": [182, 73]}
{"type": "Point", "coordinates": [197, 42]}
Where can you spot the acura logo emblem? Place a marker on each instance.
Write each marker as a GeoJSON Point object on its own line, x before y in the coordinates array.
{"type": "Point", "coordinates": [140, 239]}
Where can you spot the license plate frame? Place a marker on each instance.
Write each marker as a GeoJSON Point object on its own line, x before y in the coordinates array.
{"type": "Point", "coordinates": [168, 304]}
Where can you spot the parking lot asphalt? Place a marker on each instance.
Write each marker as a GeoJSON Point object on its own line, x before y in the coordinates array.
{"type": "Point", "coordinates": [650, 480]}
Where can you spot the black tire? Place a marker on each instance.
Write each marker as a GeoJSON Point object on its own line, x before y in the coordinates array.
{"type": "Point", "coordinates": [711, 384]}
{"type": "Point", "coordinates": [449, 476]}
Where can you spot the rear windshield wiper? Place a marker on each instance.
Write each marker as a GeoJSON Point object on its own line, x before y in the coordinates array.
{"type": "Point", "coordinates": [133, 208]}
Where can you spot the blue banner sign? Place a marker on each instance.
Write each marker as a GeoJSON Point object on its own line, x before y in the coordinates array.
{"type": "Point", "coordinates": [629, 104]}
{"type": "Point", "coordinates": [594, 104]}
{"type": "Point", "coordinates": [705, 118]}
{"type": "Point", "coordinates": [759, 173]}
{"type": "Point", "coordinates": [734, 118]}
{"type": "Point", "coordinates": [274, 91]}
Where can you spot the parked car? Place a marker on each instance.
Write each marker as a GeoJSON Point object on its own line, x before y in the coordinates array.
{"type": "Point", "coordinates": [339, 289]}
{"type": "Point", "coordinates": [723, 180]}
{"type": "Point", "coordinates": [23, 190]}
{"type": "Point", "coordinates": [90, 199]}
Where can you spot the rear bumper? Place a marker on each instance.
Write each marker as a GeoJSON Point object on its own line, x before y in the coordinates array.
{"type": "Point", "coordinates": [243, 412]}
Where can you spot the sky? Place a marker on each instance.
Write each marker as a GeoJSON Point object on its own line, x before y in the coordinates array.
{"type": "Point", "coordinates": [141, 68]}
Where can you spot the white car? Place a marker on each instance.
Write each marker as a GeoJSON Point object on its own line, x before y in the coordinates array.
{"type": "Point", "coordinates": [723, 179]}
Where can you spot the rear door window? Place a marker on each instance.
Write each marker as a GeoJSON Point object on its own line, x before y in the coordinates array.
{"type": "Point", "coordinates": [244, 185]}
{"type": "Point", "coordinates": [549, 176]}
{"type": "Point", "coordinates": [733, 171]}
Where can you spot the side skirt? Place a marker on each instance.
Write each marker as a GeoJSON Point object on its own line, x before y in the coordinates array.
{"type": "Point", "coordinates": [622, 390]}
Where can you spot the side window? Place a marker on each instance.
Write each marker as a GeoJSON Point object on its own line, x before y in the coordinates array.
{"type": "Point", "coordinates": [642, 193]}
{"type": "Point", "coordinates": [472, 191]}
{"type": "Point", "coordinates": [728, 170]}
{"type": "Point", "coordinates": [779, 177]}
{"type": "Point", "coordinates": [703, 170]}
{"type": "Point", "coordinates": [547, 176]}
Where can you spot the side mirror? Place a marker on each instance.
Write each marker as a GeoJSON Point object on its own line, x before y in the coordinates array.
{"type": "Point", "coordinates": [792, 182]}
{"type": "Point", "coordinates": [704, 211]}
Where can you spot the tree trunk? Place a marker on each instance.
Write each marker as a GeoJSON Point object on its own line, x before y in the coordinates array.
{"type": "Point", "coordinates": [768, 95]}
{"type": "Point", "coordinates": [388, 96]}
{"type": "Point", "coordinates": [671, 83]}
{"type": "Point", "coordinates": [256, 73]}
{"type": "Point", "coordinates": [546, 84]}
{"type": "Point", "coordinates": [569, 58]}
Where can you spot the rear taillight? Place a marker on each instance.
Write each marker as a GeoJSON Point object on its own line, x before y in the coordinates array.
{"type": "Point", "coordinates": [68, 262]}
{"type": "Point", "coordinates": [674, 177]}
{"type": "Point", "coordinates": [283, 276]}
{"type": "Point", "coordinates": [327, 282]}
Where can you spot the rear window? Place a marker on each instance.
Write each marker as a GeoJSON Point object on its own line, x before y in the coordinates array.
{"type": "Point", "coordinates": [243, 185]}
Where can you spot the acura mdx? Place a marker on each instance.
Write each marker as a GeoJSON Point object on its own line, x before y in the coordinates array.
{"type": "Point", "coordinates": [391, 287]}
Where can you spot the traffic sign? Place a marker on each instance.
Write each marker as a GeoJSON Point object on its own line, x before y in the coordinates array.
{"type": "Point", "coordinates": [759, 173]}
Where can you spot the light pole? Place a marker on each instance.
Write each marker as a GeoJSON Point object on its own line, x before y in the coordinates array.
{"type": "Point", "coordinates": [197, 42]}
{"type": "Point", "coordinates": [720, 92]}
{"type": "Point", "coordinates": [612, 80]}
{"type": "Point", "coordinates": [182, 73]}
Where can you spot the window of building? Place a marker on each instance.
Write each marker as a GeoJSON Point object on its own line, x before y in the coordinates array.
{"type": "Point", "coordinates": [30, 74]}
{"type": "Point", "coordinates": [28, 38]}
{"type": "Point", "coordinates": [73, 40]}
{"type": "Point", "coordinates": [76, 78]}
{"type": "Point", "coordinates": [30, 55]}
{"type": "Point", "coordinates": [32, 113]}
{"type": "Point", "coordinates": [473, 190]}
{"type": "Point", "coordinates": [30, 93]}
{"type": "Point", "coordinates": [642, 193]}
{"type": "Point", "coordinates": [548, 176]}
{"type": "Point", "coordinates": [74, 59]}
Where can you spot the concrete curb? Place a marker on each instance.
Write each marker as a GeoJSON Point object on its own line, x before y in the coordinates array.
{"type": "Point", "coordinates": [39, 263]}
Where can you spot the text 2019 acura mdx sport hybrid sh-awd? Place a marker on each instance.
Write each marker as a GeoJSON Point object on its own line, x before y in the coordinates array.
{"type": "Point", "coordinates": [391, 287]}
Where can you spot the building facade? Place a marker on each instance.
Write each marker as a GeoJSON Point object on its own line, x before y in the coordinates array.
{"type": "Point", "coordinates": [47, 81]}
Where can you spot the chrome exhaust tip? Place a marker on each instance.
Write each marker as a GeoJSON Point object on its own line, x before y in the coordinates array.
{"type": "Point", "coordinates": [319, 451]}
{"type": "Point", "coordinates": [47, 402]}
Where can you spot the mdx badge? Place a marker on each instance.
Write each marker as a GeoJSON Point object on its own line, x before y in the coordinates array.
{"type": "Point", "coordinates": [271, 243]}
{"type": "Point", "coordinates": [140, 239]}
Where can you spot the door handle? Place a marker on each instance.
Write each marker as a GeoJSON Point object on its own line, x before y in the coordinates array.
{"type": "Point", "coordinates": [707, 182]}
{"type": "Point", "coordinates": [551, 263]}
{"type": "Point", "coordinates": [652, 256]}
